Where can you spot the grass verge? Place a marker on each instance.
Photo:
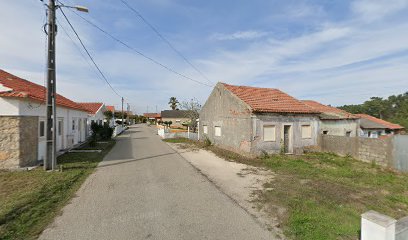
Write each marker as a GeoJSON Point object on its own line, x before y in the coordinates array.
{"type": "Point", "coordinates": [29, 200]}
{"type": "Point", "coordinates": [324, 194]}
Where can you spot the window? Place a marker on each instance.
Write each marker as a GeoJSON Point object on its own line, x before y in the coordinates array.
{"type": "Point", "coordinates": [217, 131]}
{"type": "Point", "coordinates": [42, 129]}
{"type": "Point", "coordinates": [269, 133]}
{"type": "Point", "coordinates": [177, 121]}
{"type": "Point", "coordinates": [73, 124]}
{"type": "Point", "coordinates": [59, 128]}
{"type": "Point", "coordinates": [306, 131]}
{"type": "Point", "coordinates": [348, 134]}
{"type": "Point", "coordinates": [325, 132]}
{"type": "Point", "coordinates": [205, 129]}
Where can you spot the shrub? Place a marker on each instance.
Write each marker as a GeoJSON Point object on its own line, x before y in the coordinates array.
{"type": "Point", "coordinates": [207, 142]}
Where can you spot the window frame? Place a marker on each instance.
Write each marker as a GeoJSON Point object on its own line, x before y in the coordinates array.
{"type": "Point", "coordinates": [273, 139]}
{"type": "Point", "coordinates": [41, 134]}
{"type": "Point", "coordinates": [205, 129]}
{"type": "Point", "coordinates": [215, 131]}
{"type": "Point", "coordinates": [301, 131]}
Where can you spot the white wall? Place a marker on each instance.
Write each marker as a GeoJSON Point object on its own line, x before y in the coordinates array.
{"type": "Point", "coordinates": [24, 107]}
{"type": "Point", "coordinates": [98, 116]}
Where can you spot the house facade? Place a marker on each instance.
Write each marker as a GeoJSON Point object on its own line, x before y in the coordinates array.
{"type": "Point", "coordinates": [23, 122]}
{"type": "Point", "coordinates": [112, 122]}
{"type": "Point", "coordinates": [177, 117]}
{"type": "Point", "coordinates": [334, 121]}
{"type": "Point", "coordinates": [372, 127]}
{"type": "Point", "coordinates": [255, 120]}
{"type": "Point", "coordinates": [153, 117]}
{"type": "Point", "coordinates": [95, 114]}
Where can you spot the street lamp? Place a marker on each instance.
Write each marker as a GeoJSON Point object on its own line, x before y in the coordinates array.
{"type": "Point", "coordinates": [50, 161]}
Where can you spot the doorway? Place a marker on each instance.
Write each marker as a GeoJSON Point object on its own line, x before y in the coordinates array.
{"type": "Point", "coordinates": [287, 139]}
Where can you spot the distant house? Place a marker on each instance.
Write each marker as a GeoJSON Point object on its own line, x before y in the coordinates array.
{"type": "Point", "coordinates": [23, 122]}
{"type": "Point", "coordinates": [372, 127]}
{"type": "Point", "coordinates": [177, 117]}
{"type": "Point", "coordinates": [95, 113]}
{"type": "Point", "coordinates": [113, 120]}
{"type": "Point", "coordinates": [253, 120]}
{"type": "Point", "coordinates": [155, 117]}
{"type": "Point", "coordinates": [334, 121]}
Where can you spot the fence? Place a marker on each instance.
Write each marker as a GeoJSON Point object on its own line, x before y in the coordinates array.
{"type": "Point", "coordinates": [165, 134]}
{"type": "Point", "coordinates": [389, 152]}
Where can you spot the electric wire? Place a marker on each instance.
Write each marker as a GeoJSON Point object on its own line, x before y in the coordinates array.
{"type": "Point", "coordinates": [164, 39]}
{"type": "Point", "coordinates": [87, 52]}
{"type": "Point", "coordinates": [140, 53]}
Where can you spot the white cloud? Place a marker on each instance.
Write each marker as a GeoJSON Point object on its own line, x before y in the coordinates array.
{"type": "Point", "coordinates": [241, 35]}
{"type": "Point", "coordinates": [371, 10]}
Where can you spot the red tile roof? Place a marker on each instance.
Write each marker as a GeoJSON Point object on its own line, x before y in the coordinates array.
{"type": "Point", "coordinates": [21, 88]}
{"type": "Point", "coordinates": [269, 100]}
{"type": "Point", "coordinates": [110, 108]}
{"type": "Point", "coordinates": [152, 115]}
{"type": "Point", "coordinates": [329, 112]}
{"type": "Point", "coordinates": [386, 124]}
{"type": "Point", "coordinates": [92, 108]}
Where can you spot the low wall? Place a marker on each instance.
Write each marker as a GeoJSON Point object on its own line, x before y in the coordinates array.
{"type": "Point", "coordinates": [379, 151]}
{"type": "Point", "coordinates": [18, 141]}
{"type": "Point", "coordinates": [163, 134]}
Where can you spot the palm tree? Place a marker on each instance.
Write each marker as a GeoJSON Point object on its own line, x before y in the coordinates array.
{"type": "Point", "coordinates": [173, 103]}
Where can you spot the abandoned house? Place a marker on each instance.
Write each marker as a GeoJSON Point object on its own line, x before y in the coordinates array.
{"type": "Point", "coordinates": [334, 121]}
{"type": "Point", "coordinates": [253, 120]}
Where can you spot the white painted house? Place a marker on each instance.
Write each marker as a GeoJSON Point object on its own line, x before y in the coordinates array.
{"type": "Point", "coordinates": [95, 113]}
{"type": "Point", "coordinates": [23, 122]}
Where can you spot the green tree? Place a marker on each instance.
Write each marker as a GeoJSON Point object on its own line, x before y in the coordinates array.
{"type": "Point", "coordinates": [173, 103]}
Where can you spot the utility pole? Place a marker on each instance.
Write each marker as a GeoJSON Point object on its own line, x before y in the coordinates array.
{"type": "Point", "coordinates": [122, 114]}
{"type": "Point", "coordinates": [50, 161]}
{"type": "Point", "coordinates": [128, 111]}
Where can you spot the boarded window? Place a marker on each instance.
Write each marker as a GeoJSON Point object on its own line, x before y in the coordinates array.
{"type": "Point", "coordinates": [205, 129]}
{"type": "Point", "coordinates": [42, 129]}
{"type": "Point", "coordinates": [306, 131]}
{"type": "Point", "coordinates": [269, 133]}
{"type": "Point", "coordinates": [217, 131]}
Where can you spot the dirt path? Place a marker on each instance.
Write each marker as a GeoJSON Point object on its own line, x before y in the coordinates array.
{"type": "Point", "coordinates": [240, 182]}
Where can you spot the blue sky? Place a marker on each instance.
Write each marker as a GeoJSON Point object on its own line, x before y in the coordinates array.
{"type": "Point", "coordinates": [336, 52]}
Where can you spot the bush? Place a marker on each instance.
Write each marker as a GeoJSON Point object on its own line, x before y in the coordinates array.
{"type": "Point", "coordinates": [207, 142]}
{"type": "Point", "coordinates": [100, 132]}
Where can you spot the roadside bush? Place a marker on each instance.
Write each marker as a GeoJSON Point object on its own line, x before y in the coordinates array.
{"type": "Point", "coordinates": [207, 142]}
{"type": "Point", "coordinates": [100, 132]}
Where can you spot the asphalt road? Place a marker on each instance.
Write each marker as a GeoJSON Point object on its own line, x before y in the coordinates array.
{"type": "Point", "coordinates": [145, 190]}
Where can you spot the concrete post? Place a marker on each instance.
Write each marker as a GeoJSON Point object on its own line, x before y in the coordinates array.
{"type": "Point", "coordinates": [376, 226]}
{"type": "Point", "coordinates": [188, 132]}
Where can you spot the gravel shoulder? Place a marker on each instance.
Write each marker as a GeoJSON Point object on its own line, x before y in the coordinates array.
{"type": "Point", "coordinates": [240, 182]}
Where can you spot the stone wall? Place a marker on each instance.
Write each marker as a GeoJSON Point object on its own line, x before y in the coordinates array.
{"type": "Point", "coordinates": [370, 150]}
{"type": "Point", "coordinates": [18, 141]}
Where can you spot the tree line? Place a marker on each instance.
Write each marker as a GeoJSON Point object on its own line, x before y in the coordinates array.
{"type": "Point", "coordinates": [393, 109]}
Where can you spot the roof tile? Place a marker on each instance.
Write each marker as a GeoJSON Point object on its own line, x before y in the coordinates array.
{"type": "Point", "coordinates": [269, 100]}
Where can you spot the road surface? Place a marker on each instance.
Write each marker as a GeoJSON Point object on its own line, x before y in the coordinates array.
{"type": "Point", "coordinates": [145, 190]}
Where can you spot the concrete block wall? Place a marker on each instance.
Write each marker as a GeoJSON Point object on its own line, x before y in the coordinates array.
{"type": "Point", "coordinates": [370, 150]}
{"type": "Point", "coordinates": [18, 141]}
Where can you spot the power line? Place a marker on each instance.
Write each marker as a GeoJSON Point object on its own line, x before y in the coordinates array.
{"type": "Point", "coordinates": [89, 55]}
{"type": "Point", "coordinates": [140, 53]}
{"type": "Point", "coordinates": [164, 39]}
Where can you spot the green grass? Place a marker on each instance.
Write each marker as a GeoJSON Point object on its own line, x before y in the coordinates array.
{"type": "Point", "coordinates": [324, 194]}
{"type": "Point", "coordinates": [29, 200]}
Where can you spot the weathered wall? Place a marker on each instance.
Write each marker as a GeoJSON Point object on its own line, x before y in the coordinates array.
{"type": "Point", "coordinates": [400, 152]}
{"type": "Point", "coordinates": [364, 149]}
{"type": "Point", "coordinates": [225, 110]}
{"type": "Point", "coordinates": [279, 120]}
{"type": "Point", "coordinates": [18, 141]}
{"type": "Point", "coordinates": [340, 127]}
